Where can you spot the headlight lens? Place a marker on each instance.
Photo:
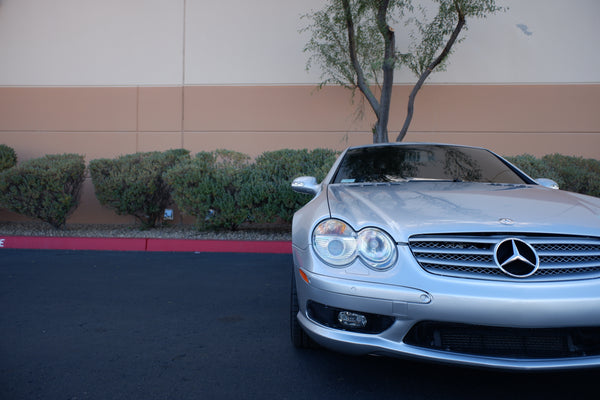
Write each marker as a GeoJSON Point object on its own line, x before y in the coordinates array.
{"type": "Point", "coordinates": [336, 243]}
{"type": "Point", "coordinates": [376, 248]}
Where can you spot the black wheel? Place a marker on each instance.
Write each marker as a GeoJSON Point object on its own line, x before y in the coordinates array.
{"type": "Point", "coordinates": [299, 338]}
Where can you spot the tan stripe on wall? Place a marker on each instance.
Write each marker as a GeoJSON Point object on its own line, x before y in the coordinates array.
{"type": "Point", "coordinates": [107, 121]}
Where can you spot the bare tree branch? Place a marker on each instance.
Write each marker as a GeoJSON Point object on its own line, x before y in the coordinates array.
{"type": "Point", "coordinates": [360, 76]}
{"type": "Point", "coordinates": [430, 68]}
{"type": "Point", "coordinates": [388, 66]}
{"type": "Point", "coordinates": [354, 44]}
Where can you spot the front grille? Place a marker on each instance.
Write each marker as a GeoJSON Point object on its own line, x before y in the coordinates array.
{"type": "Point", "coordinates": [472, 256]}
{"type": "Point", "coordinates": [506, 342]}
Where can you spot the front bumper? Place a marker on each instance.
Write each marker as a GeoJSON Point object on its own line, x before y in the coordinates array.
{"type": "Point", "coordinates": [455, 301]}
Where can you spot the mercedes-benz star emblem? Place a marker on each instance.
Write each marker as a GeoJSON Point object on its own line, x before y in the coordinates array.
{"type": "Point", "coordinates": [516, 258]}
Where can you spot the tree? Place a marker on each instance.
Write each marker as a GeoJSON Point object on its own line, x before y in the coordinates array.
{"type": "Point", "coordinates": [448, 23]}
{"type": "Point", "coordinates": [355, 45]}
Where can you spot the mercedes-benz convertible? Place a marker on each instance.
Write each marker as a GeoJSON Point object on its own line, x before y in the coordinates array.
{"type": "Point", "coordinates": [449, 254]}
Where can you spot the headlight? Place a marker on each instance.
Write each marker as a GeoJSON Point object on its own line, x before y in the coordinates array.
{"type": "Point", "coordinates": [336, 243]}
{"type": "Point", "coordinates": [376, 248]}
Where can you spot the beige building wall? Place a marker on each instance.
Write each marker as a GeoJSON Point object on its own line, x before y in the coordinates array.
{"type": "Point", "coordinates": [116, 77]}
{"type": "Point", "coordinates": [241, 42]}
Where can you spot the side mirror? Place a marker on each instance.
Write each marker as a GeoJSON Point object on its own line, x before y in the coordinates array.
{"type": "Point", "coordinates": [549, 183]}
{"type": "Point", "coordinates": [307, 185]}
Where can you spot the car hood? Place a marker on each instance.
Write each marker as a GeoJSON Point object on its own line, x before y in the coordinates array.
{"type": "Point", "coordinates": [405, 209]}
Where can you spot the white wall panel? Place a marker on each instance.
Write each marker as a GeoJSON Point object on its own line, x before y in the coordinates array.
{"type": "Point", "coordinates": [535, 41]}
{"type": "Point", "coordinates": [257, 42]}
{"type": "Point", "coordinates": [241, 42]}
{"type": "Point", "coordinates": [246, 42]}
{"type": "Point", "coordinates": [91, 42]}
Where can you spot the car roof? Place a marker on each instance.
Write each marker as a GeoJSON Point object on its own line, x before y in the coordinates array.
{"type": "Point", "coordinates": [412, 144]}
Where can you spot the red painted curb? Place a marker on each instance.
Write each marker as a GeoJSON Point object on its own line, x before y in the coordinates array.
{"type": "Point", "coordinates": [144, 244]}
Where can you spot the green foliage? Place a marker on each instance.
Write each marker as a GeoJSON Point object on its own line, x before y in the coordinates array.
{"type": "Point", "coordinates": [8, 157]}
{"type": "Point", "coordinates": [532, 166]}
{"type": "Point", "coordinates": [209, 187]}
{"type": "Point", "coordinates": [269, 193]}
{"type": "Point", "coordinates": [45, 188]}
{"type": "Point", "coordinates": [575, 174]}
{"type": "Point", "coordinates": [353, 43]}
{"type": "Point", "coordinates": [223, 189]}
{"type": "Point", "coordinates": [328, 44]}
{"type": "Point", "coordinates": [133, 184]}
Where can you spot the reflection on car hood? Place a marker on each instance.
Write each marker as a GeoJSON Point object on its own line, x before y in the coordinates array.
{"type": "Point", "coordinates": [404, 209]}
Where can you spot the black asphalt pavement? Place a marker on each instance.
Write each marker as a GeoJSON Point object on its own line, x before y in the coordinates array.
{"type": "Point", "coordinates": [129, 325]}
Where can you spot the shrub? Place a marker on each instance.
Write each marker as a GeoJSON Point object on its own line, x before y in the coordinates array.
{"type": "Point", "coordinates": [574, 174]}
{"type": "Point", "coordinates": [8, 157]}
{"type": "Point", "coordinates": [269, 192]}
{"type": "Point", "coordinates": [133, 184]}
{"type": "Point", "coordinates": [532, 166]}
{"type": "Point", "coordinates": [208, 187]}
{"type": "Point", "coordinates": [45, 188]}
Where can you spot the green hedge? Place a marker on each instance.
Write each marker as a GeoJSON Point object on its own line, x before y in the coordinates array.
{"type": "Point", "coordinates": [574, 174]}
{"type": "Point", "coordinates": [8, 157]}
{"type": "Point", "coordinates": [45, 188]}
{"type": "Point", "coordinates": [210, 188]}
{"type": "Point", "coordinates": [223, 189]}
{"type": "Point", "coordinates": [270, 194]}
{"type": "Point", "coordinates": [133, 184]}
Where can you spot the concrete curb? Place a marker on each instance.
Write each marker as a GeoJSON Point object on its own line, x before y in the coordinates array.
{"type": "Point", "coordinates": [145, 244]}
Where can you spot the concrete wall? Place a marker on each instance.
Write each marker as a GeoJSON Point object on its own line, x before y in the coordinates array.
{"type": "Point", "coordinates": [240, 42]}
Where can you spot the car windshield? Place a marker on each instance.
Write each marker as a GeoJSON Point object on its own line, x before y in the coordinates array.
{"type": "Point", "coordinates": [403, 163]}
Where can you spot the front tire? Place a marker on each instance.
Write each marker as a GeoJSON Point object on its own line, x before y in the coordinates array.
{"type": "Point", "coordinates": [299, 337]}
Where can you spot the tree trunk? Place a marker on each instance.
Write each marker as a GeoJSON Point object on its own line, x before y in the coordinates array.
{"type": "Point", "coordinates": [380, 133]}
{"type": "Point", "coordinates": [427, 72]}
{"type": "Point", "coordinates": [388, 66]}
{"type": "Point", "coordinates": [381, 107]}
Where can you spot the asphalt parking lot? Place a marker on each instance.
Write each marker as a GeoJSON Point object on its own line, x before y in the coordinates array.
{"type": "Point", "coordinates": [140, 325]}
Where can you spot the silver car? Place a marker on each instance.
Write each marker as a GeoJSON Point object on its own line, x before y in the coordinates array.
{"type": "Point", "coordinates": [448, 254]}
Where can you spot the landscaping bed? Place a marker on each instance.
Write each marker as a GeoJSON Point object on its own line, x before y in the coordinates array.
{"type": "Point", "coordinates": [175, 231]}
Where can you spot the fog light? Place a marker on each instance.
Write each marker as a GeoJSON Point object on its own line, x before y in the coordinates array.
{"type": "Point", "coordinates": [352, 320]}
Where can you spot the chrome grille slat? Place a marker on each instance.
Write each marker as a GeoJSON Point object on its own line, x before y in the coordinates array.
{"type": "Point", "coordinates": [426, 250]}
{"type": "Point", "coordinates": [567, 263]}
{"type": "Point", "coordinates": [472, 256]}
{"type": "Point", "coordinates": [565, 255]}
{"type": "Point", "coordinates": [453, 263]}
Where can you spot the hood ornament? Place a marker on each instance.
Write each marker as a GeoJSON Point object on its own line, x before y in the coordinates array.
{"type": "Point", "coordinates": [506, 221]}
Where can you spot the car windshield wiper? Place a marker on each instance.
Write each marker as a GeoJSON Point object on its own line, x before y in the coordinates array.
{"type": "Point", "coordinates": [415, 179]}
{"type": "Point", "coordinates": [508, 185]}
{"type": "Point", "coordinates": [396, 179]}
{"type": "Point", "coordinates": [374, 179]}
